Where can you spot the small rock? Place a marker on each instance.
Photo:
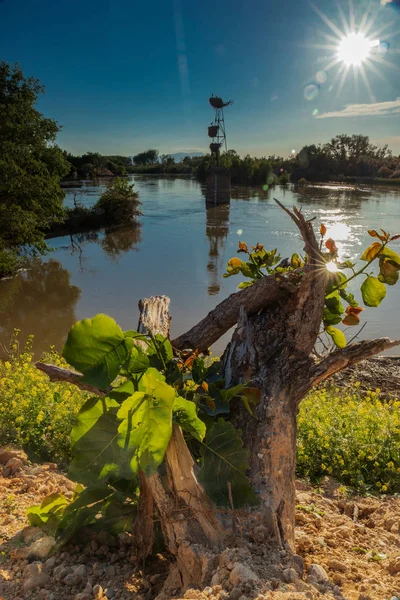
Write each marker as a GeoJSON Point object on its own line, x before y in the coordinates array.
{"type": "Point", "coordinates": [97, 592]}
{"type": "Point", "coordinates": [83, 596]}
{"type": "Point", "coordinates": [109, 592]}
{"type": "Point", "coordinates": [31, 534]}
{"type": "Point", "coordinates": [76, 577]}
{"type": "Point", "coordinates": [8, 452]}
{"type": "Point", "coordinates": [241, 574]}
{"type": "Point", "coordinates": [318, 573]}
{"type": "Point", "coordinates": [298, 564]}
{"type": "Point", "coordinates": [207, 591]}
{"type": "Point", "coordinates": [50, 563]}
{"type": "Point", "coordinates": [337, 565]}
{"type": "Point", "coordinates": [260, 533]}
{"type": "Point", "coordinates": [235, 594]}
{"type": "Point", "coordinates": [110, 571]}
{"type": "Point", "coordinates": [40, 549]}
{"type": "Point", "coordinates": [290, 575]}
{"type": "Point", "coordinates": [34, 577]}
{"type": "Point", "coordinates": [14, 464]}
{"type": "Point", "coordinates": [394, 566]}
{"type": "Point", "coordinates": [94, 545]}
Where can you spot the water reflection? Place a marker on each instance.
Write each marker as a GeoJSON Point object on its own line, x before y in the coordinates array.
{"type": "Point", "coordinates": [40, 301]}
{"type": "Point", "coordinates": [217, 227]}
{"type": "Point", "coordinates": [118, 241]}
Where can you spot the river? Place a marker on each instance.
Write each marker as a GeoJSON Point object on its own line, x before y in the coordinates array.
{"type": "Point", "coordinates": [180, 249]}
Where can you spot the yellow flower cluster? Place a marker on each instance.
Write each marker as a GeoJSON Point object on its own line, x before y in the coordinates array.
{"type": "Point", "coordinates": [35, 413]}
{"type": "Point", "coordinates": [352, 436]}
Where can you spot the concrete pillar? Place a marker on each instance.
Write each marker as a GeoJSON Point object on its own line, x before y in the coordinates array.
{"type": "Point", "coordinates": [218, 186]}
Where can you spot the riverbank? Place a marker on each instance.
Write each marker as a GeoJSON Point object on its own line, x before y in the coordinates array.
{"type": "Point", "coordinates": [346, 547]}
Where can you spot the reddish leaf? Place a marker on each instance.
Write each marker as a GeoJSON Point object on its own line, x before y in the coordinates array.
{"type": "Point", "coordinates": [322, 230]}
{"type": "Point", "coordinates": [395, 237]}
{"type": "Point", "coordinates": [351, 319]}
{"type": "Point", "coordinates": [354, 310]}
{"type": "Point", "coordinates": [330, 244]}
{"type": "Point", "coordinates": [235, 262]}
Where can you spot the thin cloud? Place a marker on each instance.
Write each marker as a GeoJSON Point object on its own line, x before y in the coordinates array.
{"type": "Point", "coordinates": [377, 109]}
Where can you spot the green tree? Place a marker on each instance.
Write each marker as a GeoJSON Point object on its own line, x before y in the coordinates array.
{"type": "Point", "coordinates": [31, 166]}
{"type": "Point", "coordinates": [148, 157]}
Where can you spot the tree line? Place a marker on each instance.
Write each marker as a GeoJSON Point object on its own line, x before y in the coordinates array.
{"type": "Point", "coordinates": [32, 166]}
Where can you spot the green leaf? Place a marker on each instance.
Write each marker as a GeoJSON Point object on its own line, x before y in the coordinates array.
{"type": "Point", "coordinates": [348, 297]}
{"type": "Point", "coordinates": [338, 337]}
{"type": "Point", "coordinates": [97, 348]}
{"type": "Point", "coordinates": [122, 392]}
{"type": "Point", "coordinates": [373, 291]}
{"type": "Point", "coordinates": [184, 413]}
{"type": "Point", "coordinates": [146, 425]}
{"type": "Point", "coordinates": [138, 361]}
{"type": "Point", "coordinates": [333, 303]}
{"type": "Point", "coordinates": [330, 318]}
{"type": "Point", "coordinates": [89, 414]}
{"type": "Point", "coordinates": [334, 280]}
{"type": "Point", "coordinates": [131, 333]}
{"type": "Point", "coordinates": [223, 460]}
{"type": "Point", "coordinates": [394, 256]}
{"type": "Point", "coordinates": [230, 393]}
{"type": "Point", "coordinates": [245, 284]}
{"type": "Point", "coordinates": [48, 514]}
{"type": "Point", "coordinates": [96, 453]}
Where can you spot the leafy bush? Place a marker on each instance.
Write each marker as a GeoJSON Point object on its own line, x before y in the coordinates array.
{"type": "Point", "coordinates": [119, 203]}
{"type": "Point", "coordinates": [351, 436]}
{"type": "Point", "coordinates": [35, 413]}
{"type": "Point", "coordinates": [384, 172]}
{"type": "Point", "coordinates": [9, 262]}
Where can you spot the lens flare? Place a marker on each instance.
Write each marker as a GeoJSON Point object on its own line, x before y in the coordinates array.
{"type": "Point", "coordinates": [331, 266]}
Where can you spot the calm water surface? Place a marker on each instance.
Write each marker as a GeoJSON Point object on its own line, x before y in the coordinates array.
{"type": "Point", "coordinates": [180, 249]}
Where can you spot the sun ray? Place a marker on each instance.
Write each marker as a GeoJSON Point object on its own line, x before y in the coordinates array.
{"type": "Point", "coordinates": [367, 85]}
{"type": "Point", "coordinates": [346, 26]}
{"type": "Point", "coordinates": [343, 78]}
{"type": "Point", "coordinates": [327, 21]}
{"type": "Point", "coordinates": [385, 62]}
{"type": "Point", "coordinates": [370, 65]}
{"type": "Point", "coordinates": [351, 16]}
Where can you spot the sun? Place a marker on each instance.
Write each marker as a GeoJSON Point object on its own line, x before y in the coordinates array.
{"type": "Point", "coordinates": [354, 49]}
{"type": "Point", "coordinates": [355, 45]}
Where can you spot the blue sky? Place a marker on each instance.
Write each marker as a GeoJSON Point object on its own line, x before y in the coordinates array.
{"type": "Point", "coordinates": [122, 75]}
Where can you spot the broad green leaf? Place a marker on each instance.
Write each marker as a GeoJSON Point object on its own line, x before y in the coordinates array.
{"type": "Point", "coordinates": [160, 351]}
{"type": "Point", "coordinates": [330, 318]}
{"type": "Point", "coordinates": [229, 394]}
{"type": "Point", "coordinates": [97, 348]}
{"type": "Point", "coordinates": [131, 333]}
{"type": "Point", "coordinates": [138, 361]}
{"type": "Point", "coordinates": [146, 425]}
{"type": "Point", "coordinates": [122, 392]}
{"type": "Point", "coordinates": [333, 303]}
{"type": "Point", "coordinates": [48, 514]}
{"type": "Point", "coordinates": [334, 280]}
{"type": "Point", "coordinates": [89, 414]}
{"type": "Point", "coordinates": [224, 460]}
{"type": "Point", "coordinates": [338, 337]}
{"type": "Point", "coordinates": [373, 291]}
{"type": "Point", "coordinates": [89, 495]}
{"type": "Point", "coordinates": [96, 453]}
{"type": "Point", "coordinates": [184, 413]}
